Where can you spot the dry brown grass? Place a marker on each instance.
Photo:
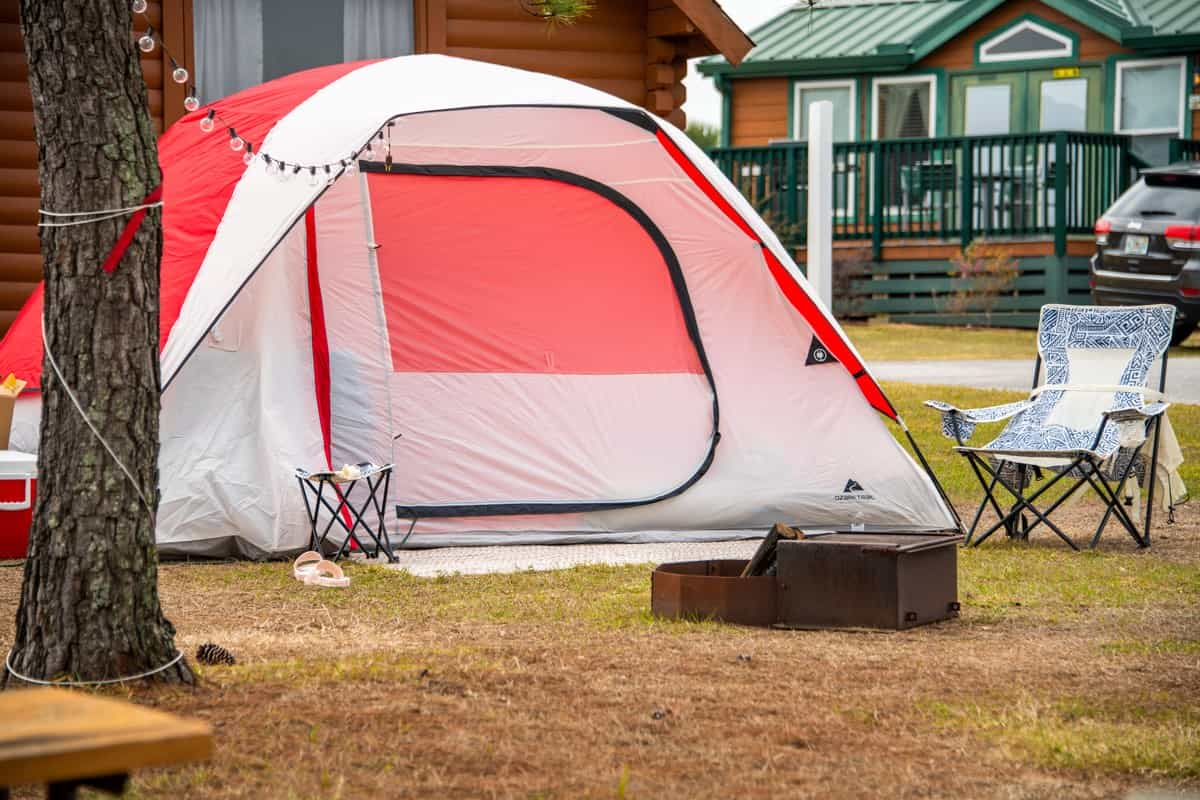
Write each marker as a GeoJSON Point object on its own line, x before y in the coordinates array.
{"type": "Point", "coordinates": [1067, 676]}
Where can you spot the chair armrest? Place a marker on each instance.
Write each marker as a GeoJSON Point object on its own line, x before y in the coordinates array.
{"type": "Point", "coordinates": [959, 423]}
{"type": "Point", "coordinates": [1133, 414]}
{"type": "Point", "coordinates": [1131, 422]}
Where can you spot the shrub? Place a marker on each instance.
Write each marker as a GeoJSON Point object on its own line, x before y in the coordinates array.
{"type": "Point", "coordinates": [984, 273]}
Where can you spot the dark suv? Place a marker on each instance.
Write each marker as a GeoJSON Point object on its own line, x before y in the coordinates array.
{"type": "Point", "coordinates": [1148, 246]}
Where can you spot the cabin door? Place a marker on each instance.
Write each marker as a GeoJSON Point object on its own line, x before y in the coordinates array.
{"type": "Point", "coordinates": [1033, 101]}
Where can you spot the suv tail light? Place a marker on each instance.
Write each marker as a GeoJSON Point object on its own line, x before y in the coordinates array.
{"type": "Point", "coordinates": [1103, 228]}
{"type": "Point", "coordinates": [1183, 237]}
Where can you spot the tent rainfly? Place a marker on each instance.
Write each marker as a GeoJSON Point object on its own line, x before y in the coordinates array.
{"type": "Point", "coordinates": [576, 326]}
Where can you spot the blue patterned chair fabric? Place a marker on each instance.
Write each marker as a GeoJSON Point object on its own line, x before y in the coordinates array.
{"type": "Point", "coordinates": [1140, 334]}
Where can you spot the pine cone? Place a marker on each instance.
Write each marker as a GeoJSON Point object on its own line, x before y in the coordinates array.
{"type": "Point", "coordinates": [209, 653]}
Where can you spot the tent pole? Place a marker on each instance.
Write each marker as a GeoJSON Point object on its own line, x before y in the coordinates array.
{"type": "Point", "coordinates": [929, 471]}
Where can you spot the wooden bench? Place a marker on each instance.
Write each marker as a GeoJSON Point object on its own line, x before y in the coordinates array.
{"type": "Point", "coordinates": [67, 739]}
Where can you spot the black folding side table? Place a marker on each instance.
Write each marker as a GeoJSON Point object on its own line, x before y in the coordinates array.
{"type": "Point", "coordinates": [334, 493]}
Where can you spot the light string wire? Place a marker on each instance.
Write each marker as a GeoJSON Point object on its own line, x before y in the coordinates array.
{"type": "Point", "coordinates": [105, 214]}
{"type": "Point", "coordinates": [7, 663]}
{"type": "Point", "coordinates": [283, 169]}
{"type": "Point", "coordinates": [75, 401]}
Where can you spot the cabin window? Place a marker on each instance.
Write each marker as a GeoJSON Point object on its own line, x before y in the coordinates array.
{"type": "Point", "coordinates": [1026, 41]}
{"type": "Point", "coordinates": [987, 112]}
{"type": "Point", "coordinates": [1150, 105]}
{"type": "Point", "coordinates": [840, 93]}
{"type": "Point", "coordinates": [1064, 105]}
{"type": "Point", "coordinates": [1150, 96]}
{"type": "Point", "coordinates": [903, 108]}
{"type": "Point", "coordinates": [241, 43]}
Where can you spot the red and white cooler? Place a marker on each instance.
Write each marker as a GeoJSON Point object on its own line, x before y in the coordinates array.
{"type": "Point", "coordinates": [18, 487]}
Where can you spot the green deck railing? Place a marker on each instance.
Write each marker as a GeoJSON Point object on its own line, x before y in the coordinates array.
{"type": "Point", "coordinates": [1185, 150]}
{"type": "Point", "coordinates": [954, 189]}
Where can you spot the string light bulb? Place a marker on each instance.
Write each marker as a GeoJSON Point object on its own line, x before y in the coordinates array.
{"type": "Point", "coordinates": [206, 124]}
{"type": "Point", "coordinates": [272, 166]}
{"type": "Point", "coordinates": [178, 73]}
{"type": "Point", "coordinates": [146, 42]}
{"type": "Point", "coordinates": [139, 6]}
{"type": "Point", "coordinates": [350, 166]}
{"type": "Point", "coordinates": [235, 141]}
{"type": "Point", "coordinates": [191, 102]}
{"type": "Point", "coordinates": [313, 180]}
{"type": "Point", "coordinates": [248, 156]}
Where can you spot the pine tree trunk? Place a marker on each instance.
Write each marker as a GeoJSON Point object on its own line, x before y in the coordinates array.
{"type": "Point", "coordinates": [89, 604]}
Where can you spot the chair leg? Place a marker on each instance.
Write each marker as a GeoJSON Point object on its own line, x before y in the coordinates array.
{"type": "Point", "coordinates": [989, 497]}
{"type": "Point", "coordinates": [1153, 468]}
{"type": "Point", "coordinates": [1024, 503]}
{"type": "Point", "coordinates": [1113, 500]}
{"type": "Point", "coordinates": [1111, 506]}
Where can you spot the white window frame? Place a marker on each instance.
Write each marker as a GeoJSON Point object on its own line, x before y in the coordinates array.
{"type": "Point", "coordinates": [798, 107]}
{"type": "Point", "coordinates": [933, 99]}
{"type": "Point", "coordinates": [1181, 104]}
{"type": "Point", "coordinates": [1066, 51]}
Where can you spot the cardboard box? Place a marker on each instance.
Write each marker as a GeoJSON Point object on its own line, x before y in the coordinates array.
{"type": "Point", "coordinates": [10, 389]}
{"type": "Point", "coordinates": [6, 414]}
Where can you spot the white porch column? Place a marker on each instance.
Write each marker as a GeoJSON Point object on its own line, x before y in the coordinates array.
{"type": "Point", "coordinates": [820, 200]}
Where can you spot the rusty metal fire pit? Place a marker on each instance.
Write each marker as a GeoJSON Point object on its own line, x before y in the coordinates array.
{"type": "Point", "coordinates": [712, 590]}
{"type": "Point", "coordinates": [838, 580]}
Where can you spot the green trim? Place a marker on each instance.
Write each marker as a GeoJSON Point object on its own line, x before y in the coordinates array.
{"type": "Point", "coordinates": [1110, 93]}
{"type": "Point", "coordinates": [937, 36]}
{"type": "Point", "coordinates": [791, 109]}
{"type": "Point", "coordinates": [1026, 66]}
{"type": "Point", "coordinates": [1190, 67]}
{"type": "Point", "coordinates": [815, 67]}
{"type": "Point", "coordinates": [1091, 15]}
{"type": "Point", "coordinates": [943, 115]}
{"type": "Point", "coordinates": [723, 86]}
{"type": "Point", "coordinates": [1036, 20]}
{"type": "Point", "coordinates": [1165, 43]}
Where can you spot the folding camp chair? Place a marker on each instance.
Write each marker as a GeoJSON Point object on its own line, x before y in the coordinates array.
{"type": "Point", "coordinates": [1086, 421]}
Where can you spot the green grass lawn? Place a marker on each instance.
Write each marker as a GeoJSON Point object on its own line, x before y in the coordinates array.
{"type": "Point", "coordinates": [895, 341]}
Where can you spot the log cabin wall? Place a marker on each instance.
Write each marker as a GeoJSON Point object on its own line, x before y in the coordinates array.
{"type": "Point", "coordinates": [634, 49]}
{"type": "Point", "coordinates": [20, 251]}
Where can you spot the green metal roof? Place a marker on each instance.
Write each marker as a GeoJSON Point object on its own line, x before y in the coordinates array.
{"type": "Point", "coordinates": [889, 35]}
{"type": "Point", "coordinates": [843, 29]}
{"type": "Point", "coordinates": [1166, 16]}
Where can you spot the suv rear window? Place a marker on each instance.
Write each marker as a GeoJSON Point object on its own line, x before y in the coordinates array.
{"type": "Point", "coordinates": [1161, 195]}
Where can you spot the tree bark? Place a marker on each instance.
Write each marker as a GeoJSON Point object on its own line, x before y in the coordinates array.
{"type": "Point", "coordinates": [89, 605]}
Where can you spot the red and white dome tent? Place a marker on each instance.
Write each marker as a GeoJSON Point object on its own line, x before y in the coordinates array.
{"type": "Point", "coordinates": [579, 328]}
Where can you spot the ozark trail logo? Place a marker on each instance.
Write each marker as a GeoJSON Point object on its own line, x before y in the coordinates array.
{"type": "Point", "coordinates": [854, 491]}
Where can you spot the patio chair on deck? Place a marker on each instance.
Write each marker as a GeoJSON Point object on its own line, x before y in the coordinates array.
{"type": "Point", "coordinates": [1086, 421]}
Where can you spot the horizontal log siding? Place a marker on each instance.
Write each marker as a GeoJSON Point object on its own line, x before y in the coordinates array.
{"type": "Point", "coordinates": [20, 252]}
{"type": "Point", "coordinates": [607, 50]}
